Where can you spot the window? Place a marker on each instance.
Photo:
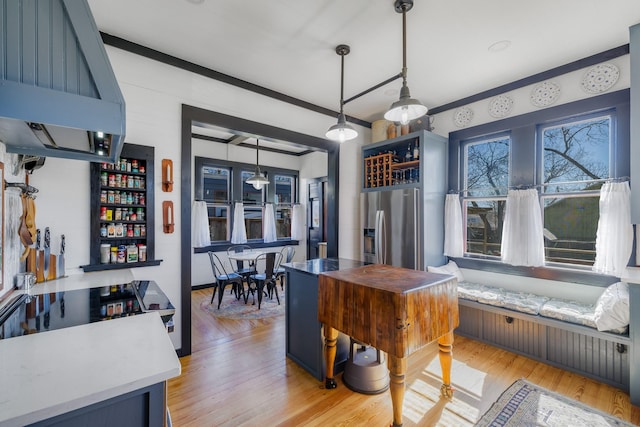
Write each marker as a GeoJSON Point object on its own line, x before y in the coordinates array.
{"type": "Point", "coordinates": [576, 161]}
{"type": "Point", "coordinates": [486, 182]}
{"type": "Point", "coordinates": [566, 152]}
{"type": "Point", "coordinates": [253, 200]}
{"type": "Point", "coordinates": [285, 189]}
{"type": "Point", "coordinates": [215, 191]}
{"type": "Point", "coordinates": [221, 183]}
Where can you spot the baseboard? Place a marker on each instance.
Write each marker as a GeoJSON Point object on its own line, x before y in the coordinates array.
{"type": "Point", "coordinates": [204, 286]}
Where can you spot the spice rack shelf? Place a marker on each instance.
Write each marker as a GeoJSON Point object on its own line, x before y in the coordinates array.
{"type": "Point", "coordinates": [122, 207]}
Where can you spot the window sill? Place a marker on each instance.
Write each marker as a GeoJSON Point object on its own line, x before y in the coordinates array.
{"type": "Point", "coordinates": [256, 244]}
{"type": "Point", "coordinates": [562, 274]}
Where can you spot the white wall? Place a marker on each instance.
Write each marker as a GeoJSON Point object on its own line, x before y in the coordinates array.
{"type": "Point", "coordinates": [154, 93]}
{"type": "Point", "coordinates": [570, 90]}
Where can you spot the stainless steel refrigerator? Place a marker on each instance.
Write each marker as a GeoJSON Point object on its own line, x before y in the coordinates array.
{"type": "Point", "coordinates": [402, 227]}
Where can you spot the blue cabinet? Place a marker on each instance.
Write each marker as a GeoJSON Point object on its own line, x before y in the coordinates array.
{"type": "Point", "coordinates": [304, 337]}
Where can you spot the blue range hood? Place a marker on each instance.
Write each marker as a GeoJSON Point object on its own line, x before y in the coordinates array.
{"type": "Point", "coordinates": [59, 95]}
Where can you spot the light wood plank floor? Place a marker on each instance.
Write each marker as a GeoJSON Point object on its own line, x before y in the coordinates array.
{"type": "Point", "coordinates": [238, 375]}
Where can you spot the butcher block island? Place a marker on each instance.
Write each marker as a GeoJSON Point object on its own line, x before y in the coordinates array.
{"type": "Point", "coordinates": [393, 309]}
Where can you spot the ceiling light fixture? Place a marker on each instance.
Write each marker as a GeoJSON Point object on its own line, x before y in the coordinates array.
{"type": "Point", "coordinates": [341, 131]}
{"type": "Point", "coordinates": [406, 108]}
{"type": "Point", "coordinates": [257, 180]}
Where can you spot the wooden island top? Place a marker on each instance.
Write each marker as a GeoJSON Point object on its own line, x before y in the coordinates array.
{"type": "Point", "coordinates": [394, 309]}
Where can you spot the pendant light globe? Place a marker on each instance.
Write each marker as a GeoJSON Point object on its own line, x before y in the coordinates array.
{"type": "Point", "coordinates": [405, 109]}
{"type": "Point", "coordinates": [341, 131]}
{"type": "Point", "coordinates": [257, 179]}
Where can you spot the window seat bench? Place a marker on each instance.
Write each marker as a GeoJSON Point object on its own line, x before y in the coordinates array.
{"type": "Point", "coordinates": [552, 330]}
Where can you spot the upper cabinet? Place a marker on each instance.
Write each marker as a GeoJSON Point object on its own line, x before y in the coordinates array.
{"type": "Point", "coordinates": [404, 161]}
{"type": "Point", "coordinates": [122, 206]}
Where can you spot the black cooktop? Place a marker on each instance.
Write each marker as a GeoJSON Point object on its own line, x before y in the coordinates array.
{"type": "Point", "coordinates": [28, 314]}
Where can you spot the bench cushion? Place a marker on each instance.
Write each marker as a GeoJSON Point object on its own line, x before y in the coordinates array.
{"type": "Point", "coordinates": [569, 311]}
{"type": "Point", "coordinates": [518, 301]}
{"type": "Point", "coordinates": [524, 302]}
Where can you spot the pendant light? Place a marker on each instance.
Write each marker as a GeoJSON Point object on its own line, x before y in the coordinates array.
{"type": "Point", "coordinates": [341, 131]}
{"type": "Point", "coordinates": [406, 108]}
{"type": "Point", "coordinates": [257, 180]}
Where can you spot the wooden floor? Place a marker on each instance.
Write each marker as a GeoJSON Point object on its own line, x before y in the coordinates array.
{"type": "Point", "coordinates": [238, 375]}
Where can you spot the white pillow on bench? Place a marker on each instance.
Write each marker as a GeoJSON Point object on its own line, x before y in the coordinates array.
{"type": "Point", "coordinates": [449, 268]}
{"type": "Point", "coordinates": [612, 308]}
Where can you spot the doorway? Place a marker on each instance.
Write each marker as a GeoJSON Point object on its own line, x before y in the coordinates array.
{"type": "Point", "coordinates": [316, 216]}
{"type": "Point", "coordinates": [197, 116]}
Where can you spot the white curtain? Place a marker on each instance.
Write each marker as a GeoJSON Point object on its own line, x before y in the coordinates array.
{"type": "Point", "coordinates": [614, 239]}
{"type": "Point", "coordinates": [453, 240]}
{"type": "Point", "coordinates": [297, 222]}
{"type": "Point", "coordinates": [200, 225]}
{"type": "Point", "coordinates": [522, 237]}
{"type": "Point", "coordinates": [269, 227]}
{"type": "Point", "coordinates": [239, 232]}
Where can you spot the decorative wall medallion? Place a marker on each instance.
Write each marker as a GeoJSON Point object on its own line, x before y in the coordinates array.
{"type": "Point", "coordinates": [600, 78]}
{"type": "Point", "coordinates": [545, 94]}
{"type": "Point", "coordinates": [462, 116]}
{"type": "Point", "coordinates": [500, 106]}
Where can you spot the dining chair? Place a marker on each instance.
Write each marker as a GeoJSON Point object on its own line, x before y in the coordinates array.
{"type": "Point", "coordinates": [224, 278]}
{"type": "Point", "coordinates": [288, 253]}
{"type": "Point", "coordinates": [264, 276]}
{"type": "Point", "coordinates": [239, 266]}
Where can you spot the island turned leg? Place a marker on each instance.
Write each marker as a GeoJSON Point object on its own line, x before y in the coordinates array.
{"type": "Point", "coordinates": [330, 339]}
{"type": "Point", "coordinates": [445, 344]}
{"type": "Point", "coordinates": [397, 369]}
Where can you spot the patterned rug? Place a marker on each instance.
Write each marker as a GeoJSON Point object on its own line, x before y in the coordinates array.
{"type": "Point", "coordinates": [231, 308]}
{"type": "Point", "coordinates": [526, 404]}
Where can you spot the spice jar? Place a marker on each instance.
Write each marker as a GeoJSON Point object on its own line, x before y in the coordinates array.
{"type": "Point", "coordinates": [142, 253]}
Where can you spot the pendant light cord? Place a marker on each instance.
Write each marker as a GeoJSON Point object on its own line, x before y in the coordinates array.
{"type": "Point", "coordinates": [257, 153]}
{"type": "Point", "coordinates": [404, 45]}
{"type": "Point", "coordinates": [341, 83]}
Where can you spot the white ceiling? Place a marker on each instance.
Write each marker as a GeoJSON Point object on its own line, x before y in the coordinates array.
{"type": "Point", "coordinates": [289, 45]}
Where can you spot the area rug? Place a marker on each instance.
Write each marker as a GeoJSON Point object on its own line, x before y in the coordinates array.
{"type": "Point", "coordinates": [231, 308]}
{"type": "Point", "coordinates": [526, 404]}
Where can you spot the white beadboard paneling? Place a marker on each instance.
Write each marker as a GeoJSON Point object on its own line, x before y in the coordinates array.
{"type": "Point", "coordinates": [62, 204]}
{"type": "Point", "coordinates": [11, 246]}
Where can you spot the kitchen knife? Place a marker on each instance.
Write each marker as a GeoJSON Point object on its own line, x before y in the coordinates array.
{"type": "Point", "coordinates": [61, 257]}
{"type": "Point", "coordinates": [39, 259]}
{"type": "Point", "coordinates": [47, 251]}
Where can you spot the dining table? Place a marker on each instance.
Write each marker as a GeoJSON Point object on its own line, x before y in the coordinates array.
{"type": "Point", "coordinates": [246, 255]}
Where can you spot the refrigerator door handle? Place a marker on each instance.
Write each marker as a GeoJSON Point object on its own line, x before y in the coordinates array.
{"type": "Point", "coordinates": [416, 227]}
{"type": "Point", "coordinates": [383, 239]}
{"type": "Point", "coordinates": [376, 243]}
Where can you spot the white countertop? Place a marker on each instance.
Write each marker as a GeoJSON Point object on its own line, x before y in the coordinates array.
{"type": "Point", "coordinates": [94, 279]}
{"type": "Point", "coordinates": [47, 374]}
